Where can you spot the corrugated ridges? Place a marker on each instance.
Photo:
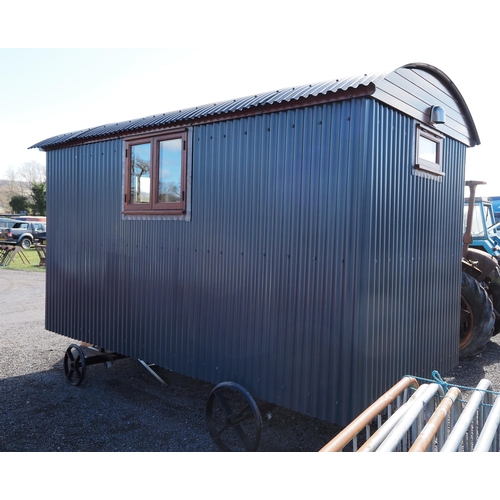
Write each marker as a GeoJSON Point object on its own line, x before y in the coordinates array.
{"type": "Point", "coordinates": [209, 110]}
{"type": "Point", "coordinates": [325, 272]}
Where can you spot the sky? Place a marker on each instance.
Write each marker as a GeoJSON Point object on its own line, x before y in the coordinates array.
{"type": "Point", "coordinates": [71, 75]}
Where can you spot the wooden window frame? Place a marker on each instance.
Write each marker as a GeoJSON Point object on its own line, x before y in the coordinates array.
{"type": "Point", "coordinates": [155, 207]}
{"type": "Point", "coordinates": [435, 168]}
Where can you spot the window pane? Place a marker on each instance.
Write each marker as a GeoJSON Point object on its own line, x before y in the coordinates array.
{"type": "Point", "coordinates": [427, 150]}
{"type": "Point", "coordinates": [169, 171]}
{"type": "Point", "coordinates": [477, 228]}
{"type": "Point", "coordinates": [488, 216]}
{"type": "Point", "coordinates": [140, 159]}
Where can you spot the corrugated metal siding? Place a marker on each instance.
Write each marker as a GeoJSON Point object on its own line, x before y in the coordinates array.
{"type": "Point", "coordinates": [412, 236]}
{"type": "Point", "coordinates": [316, 269]}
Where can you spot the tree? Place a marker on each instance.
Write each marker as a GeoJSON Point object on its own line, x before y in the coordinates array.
{"type": "Point", "coordinates": [32, 172]}
{"type": "Point", "coordinates": [18, 183]}
{"type": "Point", "coordinates": [19, 203]}
{"type": "Point", "coordinates": [9, 187]}
{"type": "Point", "coordinates": [38, 196]}
{"type": "Point", "coordinates": [140, 167]}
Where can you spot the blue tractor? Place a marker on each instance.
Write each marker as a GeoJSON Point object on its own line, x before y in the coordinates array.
{"type": "Point", "coordinates": [480, 298]}
{"type": "Point", "coordinates": [485, 230]}
{"type": "Point", "coordinates": [495, 201]}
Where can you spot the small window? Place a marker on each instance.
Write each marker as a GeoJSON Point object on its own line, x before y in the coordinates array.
{"type": "Point", "coordinates": [429, 151]}
{"type": "Point", "coordinates": [155, 174]}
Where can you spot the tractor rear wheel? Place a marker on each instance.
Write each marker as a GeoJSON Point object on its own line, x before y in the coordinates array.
{"type": "Point", "coordinates": [493, 282]}
{"type": "Point", "coordinates": [477, 318]}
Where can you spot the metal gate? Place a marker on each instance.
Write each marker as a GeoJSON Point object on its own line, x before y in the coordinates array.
{"type": "Point", "coordinates": [431, 417]}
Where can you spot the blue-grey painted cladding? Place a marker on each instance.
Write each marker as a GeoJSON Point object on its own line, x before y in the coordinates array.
{"type": "Point", "coordinates": [316, 271]}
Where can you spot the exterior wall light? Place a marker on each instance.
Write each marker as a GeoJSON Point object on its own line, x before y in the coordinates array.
{"type": "Point", "coordinates": [438, 115]}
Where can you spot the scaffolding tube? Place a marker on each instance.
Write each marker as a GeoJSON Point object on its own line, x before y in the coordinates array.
{"type": "Point", "coordinates": [427, 421]}
{"type": "Point", "coordinates": [350, 432]}
{"type": "Point", "coordinates": [471, 420]}
{"type": "Point", "coordinates": [384, 430]}
{"type": "Point", "coordinates": [434, 427]}
{"type": "Point", "coordinates": [489, 433]}
{"type": "Point", "coordinates": [397, 436]}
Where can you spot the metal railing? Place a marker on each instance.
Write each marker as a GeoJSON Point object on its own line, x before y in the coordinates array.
{"type": "Point", "coordinates": [417, 418]}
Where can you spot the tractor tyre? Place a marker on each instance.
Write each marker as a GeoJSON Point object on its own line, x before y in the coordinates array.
{"type": "Point", "coordinates": [493, 281]}
{"type": "Point", "coordinates": [477, 318]}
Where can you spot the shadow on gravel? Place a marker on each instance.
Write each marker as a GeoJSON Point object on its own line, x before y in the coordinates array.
{"type": "Point", "coordinates": [116, 409]}
{"type": "Point", "coordinates": [468, 373]}
{"type": "Point", "coordinates": [124, 408]}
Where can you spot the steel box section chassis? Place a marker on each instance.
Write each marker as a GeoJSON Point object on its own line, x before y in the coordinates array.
{"type": "Point", "coordinates": [300, 271]}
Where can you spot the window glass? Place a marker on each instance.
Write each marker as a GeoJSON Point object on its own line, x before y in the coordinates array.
{"type": "Point", "coordinates": [488, 216]}
{"type": "Point", "coordinates": [140, 167]}
{"type": "Point", "coordinates": [156, 174]}
{"type": "Point", "coordinates": [427, 150]}
{"type": "Point", "coordinates": [169, 171]}
{"type": "Point", "coordinates": [477, 228]}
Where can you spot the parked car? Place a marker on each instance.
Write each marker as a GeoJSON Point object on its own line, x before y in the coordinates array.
{"type": "Point", "coordinates": [31, 218]}
{"type": "Point", "coordinates": [5, 234]}
{"type": "Point", "coordinates": [6, 223]}
{"type": "Point", "coordinates": [41, 238]}
{"type": "Point", "coordinates": [24, 233]}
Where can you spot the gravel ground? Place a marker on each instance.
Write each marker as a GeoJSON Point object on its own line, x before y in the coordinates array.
{"type": "Point", "coordinates": [485, 365]}
{"type": "Point", "coordinates": [124, 408]}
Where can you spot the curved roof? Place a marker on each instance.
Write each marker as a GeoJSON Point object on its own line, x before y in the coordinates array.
{"type": "Point", "coordinates": [414, 88]}
{"type": "Point", "coordinates": [378, 85]}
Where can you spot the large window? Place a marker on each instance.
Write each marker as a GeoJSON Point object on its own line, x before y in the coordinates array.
{"type": "Point", "coordinates": [429, 151]}
{"type": "Point", "coordinates": [155, 174]}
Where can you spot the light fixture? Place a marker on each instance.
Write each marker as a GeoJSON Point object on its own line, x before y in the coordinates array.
{"type": "Point", "coordinates": [438, 115]}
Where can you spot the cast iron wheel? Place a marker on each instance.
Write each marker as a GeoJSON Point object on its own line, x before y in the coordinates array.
{"type": "Point", "coordinates": [233, 418]}
{"type": "Point", "coordinates": [74, 364]}
{"type": "Point", "coordinates": [477, 318]}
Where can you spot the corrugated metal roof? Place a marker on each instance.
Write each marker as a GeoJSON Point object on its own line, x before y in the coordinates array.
{"type": "Point", "coordinates": [275, 97]}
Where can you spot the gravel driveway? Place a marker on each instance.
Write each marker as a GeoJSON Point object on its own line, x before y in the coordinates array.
{"type": "Point", "coordinates": [124, 408]}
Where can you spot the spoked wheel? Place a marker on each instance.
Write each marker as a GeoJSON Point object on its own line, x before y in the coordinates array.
{"type": "Point", "coordinates": [74, 364]}
{"type": "Point", "coordinates": [233, 418]}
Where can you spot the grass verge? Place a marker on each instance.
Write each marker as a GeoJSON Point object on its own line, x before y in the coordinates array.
{"type": "Point", "coordinates": [31, 256]}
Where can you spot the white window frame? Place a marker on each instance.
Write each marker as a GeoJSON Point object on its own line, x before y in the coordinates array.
{"type": "Point", "coordinates": [435, 168]}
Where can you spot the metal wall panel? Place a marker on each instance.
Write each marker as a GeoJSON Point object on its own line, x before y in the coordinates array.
{"type": "Point", "coordinates": [411, 272]}
{"type": "Point", "coordinates": [316, 269]}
